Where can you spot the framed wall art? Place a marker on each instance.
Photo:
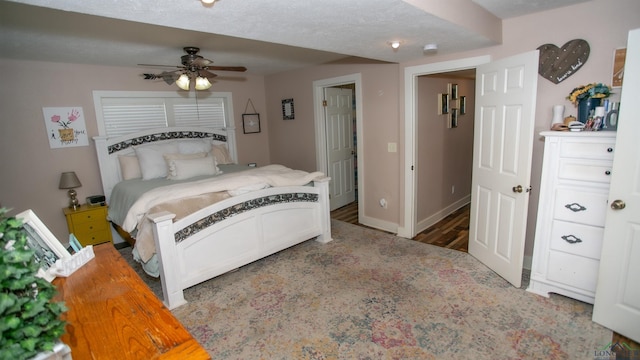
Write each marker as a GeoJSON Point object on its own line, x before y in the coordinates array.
{"type": "Point", "coordinates": [251, 123]}
{"type": "Point", "coordinates": [287, 109]}
{"type": "Point", "coordinates": [453, 90]}
{"type": "Point", "coordinates": [462, 105]}
{"type": "Point", "coordinates": [619, 57]}
{"type": "Point", "coordinates": [453, 118]}
{"type": "Point", "coordinates": [443, 104]}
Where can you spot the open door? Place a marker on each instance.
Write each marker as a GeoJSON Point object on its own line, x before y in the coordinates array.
{"type": "Point", "coordinates": [503, 145]}
{"type": "Point", "coordinates": [340, 146]}
{"type": "Point", "coordinates": [617, 302]}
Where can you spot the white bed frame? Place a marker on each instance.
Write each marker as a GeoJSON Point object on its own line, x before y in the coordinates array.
{"type": "Point", "coordinates": [228, 234]}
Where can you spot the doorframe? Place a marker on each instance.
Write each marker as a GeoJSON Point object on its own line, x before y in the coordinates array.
{"type": "Point", "coordinates": [322, 163]}
{"type": "Point", "coordinates": [411, 74]}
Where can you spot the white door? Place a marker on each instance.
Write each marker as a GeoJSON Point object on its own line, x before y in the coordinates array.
{"type": "Point", "coordinates": [340, 149]}
{"type": "Point", "coordinates": [617, 302]}
{"type": "Point", "coordinates": [503, 141]}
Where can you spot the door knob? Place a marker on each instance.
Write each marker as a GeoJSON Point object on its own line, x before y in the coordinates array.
{"type": "Point", "coordinates": [517, 189]}
{"type": "Point", "coordinates": [618, 205]}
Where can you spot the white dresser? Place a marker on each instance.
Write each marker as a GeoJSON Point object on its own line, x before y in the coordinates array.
{"type": "Point", "coordinates": [571, 211]}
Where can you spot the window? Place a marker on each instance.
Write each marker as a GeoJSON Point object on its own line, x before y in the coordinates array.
{"type": "Point", "coordinates": [122, 112]}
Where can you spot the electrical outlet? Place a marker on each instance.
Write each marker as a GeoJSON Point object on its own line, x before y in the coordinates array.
{"type": "Point", "coordinates": [453, 189]}
{"type": "Point", "coordinates": [392, 147]}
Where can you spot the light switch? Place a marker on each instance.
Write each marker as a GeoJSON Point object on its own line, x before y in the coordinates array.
{"type": "Point", "coordinates": [392, 147]}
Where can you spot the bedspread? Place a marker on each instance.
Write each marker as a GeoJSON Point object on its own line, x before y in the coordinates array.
{"type": "Point", "coordinates": [202, 193]}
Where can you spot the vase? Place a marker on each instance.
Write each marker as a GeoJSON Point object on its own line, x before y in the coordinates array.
{"type": "Point", "coordinates": [585, 108]}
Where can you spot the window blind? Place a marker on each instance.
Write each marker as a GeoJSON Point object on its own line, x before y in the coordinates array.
{"type": "Point", "coordinates": [120, 113]}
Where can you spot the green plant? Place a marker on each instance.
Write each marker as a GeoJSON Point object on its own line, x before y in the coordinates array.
{"type": "Point", "coordinates": [29, 321]}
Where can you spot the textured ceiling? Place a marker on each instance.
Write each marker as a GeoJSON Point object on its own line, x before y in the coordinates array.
{"type": "Point", "coordinates": [266, 36]}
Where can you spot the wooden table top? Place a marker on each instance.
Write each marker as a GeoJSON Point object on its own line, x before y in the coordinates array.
{"type": "Point", "coordinates": [114, 315]}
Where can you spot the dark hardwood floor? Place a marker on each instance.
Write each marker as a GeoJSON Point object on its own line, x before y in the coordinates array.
{"type": "Point", "coordinates": [453, 232]}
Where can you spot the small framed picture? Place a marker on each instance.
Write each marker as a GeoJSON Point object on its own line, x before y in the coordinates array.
{"type": "Point", "coordinates": [454, 118]}
{"type": "Point", "coordinates": [462, 105]}
{"type": "Point", "coordinates": [287, 109]}
{"type": "Point", "coordinates": [251, 123]}
{"type": "Point", "coordinates": [443, 104]}
{"type": "Point", "coordinates": [47, 248]}
{"type": "Point", "coordinates": [619, 57]}
{"type": "Point", "coordinates": [453, 90]}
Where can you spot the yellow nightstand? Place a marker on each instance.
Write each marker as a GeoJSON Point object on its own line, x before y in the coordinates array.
{"type": "Point", "coordinates": [89, 224]}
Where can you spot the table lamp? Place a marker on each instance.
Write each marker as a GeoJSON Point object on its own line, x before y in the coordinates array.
{"type": "Point", "coordinates": [69, 180]}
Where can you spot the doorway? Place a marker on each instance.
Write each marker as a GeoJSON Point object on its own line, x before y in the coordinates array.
{"type": "Point", "coordinates": [412, 166]}
{"type": "Point", "coordinates": [444, 157]}
{"type": "Point", "coordinates": [325, 136]}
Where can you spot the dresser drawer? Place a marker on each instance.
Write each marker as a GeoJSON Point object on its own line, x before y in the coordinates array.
{"type": "Point", "coordinates": [591, 171]}
{"type": "Point", "coordinates": [583, 207]}
{"type": "Point", "coordinates": [89, 227]}
{"type": "Point", "coordinates": [592, 149]}
{"type": "Point", "coordinates": [577, 271]}
{"type": "Point", "coordinates": [99, 214]}
{"type": "Point", "coordinates": [577, 239]}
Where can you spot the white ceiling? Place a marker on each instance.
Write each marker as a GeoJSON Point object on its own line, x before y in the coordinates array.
{"type": "Point", "coordinates": [266, 36]}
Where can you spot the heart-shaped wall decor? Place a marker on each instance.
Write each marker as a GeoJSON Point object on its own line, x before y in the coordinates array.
{"type": "Point", "coordinates": [557, 64]}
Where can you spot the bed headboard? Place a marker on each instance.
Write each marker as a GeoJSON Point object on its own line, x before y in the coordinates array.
{"type": "Point", "coordinates": [108, 148]}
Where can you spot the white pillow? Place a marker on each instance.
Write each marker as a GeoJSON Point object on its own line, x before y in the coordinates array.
{"type": "Point", "coordinates": [221, 153]}
{"type": "Point", "coordinates": [194, 146]}
{"type": "Point", "coordinates": [129, 167]}
{"type": "Point", "coordinates": [178, 156]}
{"type": "Point", "coordinates": [152, 163]}
{"type": "Point", "coordinates": [180, 169]}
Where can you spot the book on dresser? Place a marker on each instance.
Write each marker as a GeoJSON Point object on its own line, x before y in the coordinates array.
{"type": "Point", "coordinates": [574, 188]}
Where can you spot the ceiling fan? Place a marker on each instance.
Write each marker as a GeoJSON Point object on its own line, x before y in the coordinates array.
{"type": "Point", "coordinates": [194, 67]}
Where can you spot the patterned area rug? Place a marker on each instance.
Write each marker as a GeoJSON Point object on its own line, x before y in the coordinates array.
{"type": "Point", "coordinates": [371, 295]}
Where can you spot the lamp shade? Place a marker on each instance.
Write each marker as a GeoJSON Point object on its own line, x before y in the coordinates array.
{"type": "Point", "coordinates": [202, 83]}
{"type": "Point", "coordinates": [183, 82]}
{"type": "Point", "coordinates": [69, 180]}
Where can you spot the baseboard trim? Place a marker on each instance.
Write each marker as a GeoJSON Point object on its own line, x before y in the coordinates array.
{"type": "Point", "coordinates": [435, 218]}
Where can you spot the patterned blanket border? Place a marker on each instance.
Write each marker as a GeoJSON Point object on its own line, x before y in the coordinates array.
{"type": "Point", "coordinates": [241, 208]}
{"type": "Point", "coordinates": [165, 136]}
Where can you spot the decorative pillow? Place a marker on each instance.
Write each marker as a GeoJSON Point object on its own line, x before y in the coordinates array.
{"type": "Point", "coordinates": [178, 156]}
{"type": "Point", "coordinates": [180, 169]}
{"type": "Point", "coordinates": [194, 146]}
{"type": "Point", "coordinates": [152, 162]}
{"type": "Point", "coordinates": [221, 153]}
{"type": "Point", "coordinates": [129, 167]}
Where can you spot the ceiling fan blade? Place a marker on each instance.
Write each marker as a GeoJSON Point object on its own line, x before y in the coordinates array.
{"type": "Point", "coordinates": [168, 77]}
{"type": "Point", "coordinates": [207, 74]}
{"type": "Point", "coordinates": [154, 65]}
{"type": "Point", "coordinates": [201, 62]}
{"type": "Point", "coordinates": [227, 68]}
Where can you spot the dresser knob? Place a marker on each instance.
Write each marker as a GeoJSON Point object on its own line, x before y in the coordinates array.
{"type": "Point", "coordinates": [609, 149]}
{"type": "Point", "coordinates": [608, 172]}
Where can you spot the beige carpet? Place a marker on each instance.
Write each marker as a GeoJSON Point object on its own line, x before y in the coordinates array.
{"type": "Point", "coordinates": [371, 295]}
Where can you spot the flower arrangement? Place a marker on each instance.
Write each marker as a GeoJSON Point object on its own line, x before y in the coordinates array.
{"type": "Point", "coordinates": [594, 90]}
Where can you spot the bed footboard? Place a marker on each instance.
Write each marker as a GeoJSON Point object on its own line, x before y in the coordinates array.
{"type": "Point", "coordinates": [236, 232]}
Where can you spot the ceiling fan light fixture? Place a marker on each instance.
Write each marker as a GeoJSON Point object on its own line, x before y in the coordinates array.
{"type": "Point", "coordinates": [183, 82]}
{"type": "Point", "coordinates": [208, 2]}
{"type": "Point", "coordinates": [202, 83]}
